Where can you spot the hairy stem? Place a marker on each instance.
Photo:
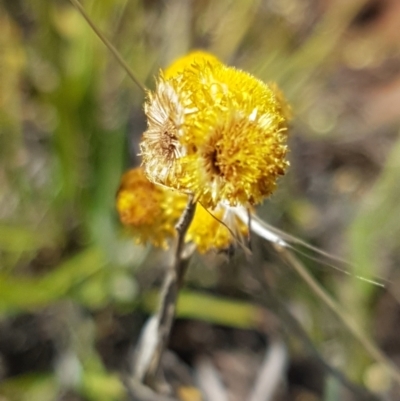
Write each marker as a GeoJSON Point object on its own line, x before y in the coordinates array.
{"type": "Point", "coordinates": [172, 283]}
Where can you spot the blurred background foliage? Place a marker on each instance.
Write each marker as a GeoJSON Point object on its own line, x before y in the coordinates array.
{"type": "Point", "coordinates": [74, 290]}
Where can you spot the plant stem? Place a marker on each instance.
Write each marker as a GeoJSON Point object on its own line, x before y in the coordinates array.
{"type": "Point", "coordinates": [109, 45]}
{"type": "Point", "coordinates": [268, 297]}
{"type": "Point", "coordinates": [346, 319]}
{"type": "Point", "coordinates": [172, 283]}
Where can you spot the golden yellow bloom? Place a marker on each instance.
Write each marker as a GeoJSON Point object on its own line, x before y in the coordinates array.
{"type": "Point", "coordinates": [207, 231]}
{"type": "Point", "coordinates": [151, 212]}
{"type": "Point", "coordinates": [187, 63]}
{"type": "Point", "coordinates": [148, 210]}
{"type": "Point", "coordinates": [215, 132]}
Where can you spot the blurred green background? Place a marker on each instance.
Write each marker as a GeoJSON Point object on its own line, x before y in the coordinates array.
{"type": "Point", "coordinates": [74, 287]}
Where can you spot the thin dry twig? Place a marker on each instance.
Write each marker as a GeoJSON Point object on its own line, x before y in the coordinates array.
{"type": "Point", "coordinates": [293, 328]}
{"type": "Point", "coordinates": [156, 334]}
{"type": "Point", "coordinates": [139, 392]}
{"type": "Point", "coordinates": [109, 45]}
{"type": "Point", "coordinates": [209, 381]}
{"type": "Point", "coordinates": [346, 319]}
{"type": "Point", "coordinates": [271, 372]}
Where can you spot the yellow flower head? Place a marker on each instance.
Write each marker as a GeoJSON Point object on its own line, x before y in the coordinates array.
{"type": "Point", "coordinates": [148, 210]}
{"type": "Point", "coordinates": [151, 212]}
{"type": "Point", "coordinates": [207, 231]}
{"type": "Point", "coordinates": [188, 62]}
{"type": "Point", "coordinates": [215, 132]}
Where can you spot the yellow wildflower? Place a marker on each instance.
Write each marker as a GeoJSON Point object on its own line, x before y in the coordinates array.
{"type": "Point", "coordinates": [148, 210]}
{"type": "Point", "coordinates": [207, 231]}
{"type": "Point", "coordinates": [186, 62]}
{"type": "Point", "coordinates": [151, 212]}
{"type": "Point", "coordinates": [215, 132]}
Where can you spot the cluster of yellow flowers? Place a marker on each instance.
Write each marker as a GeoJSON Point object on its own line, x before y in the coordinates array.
{"type": "Point", "coordinates": [215, 133]}
{"type": "Point", "coordinates": [150, 213]}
